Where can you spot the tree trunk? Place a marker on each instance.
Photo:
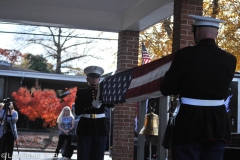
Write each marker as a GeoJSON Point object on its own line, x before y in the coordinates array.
{"type": "Point", "coordinates": [51, 134]}
{"type": "Point", "coordinates": [48, 140]}
{"type": "Point", "coordinates": [167, 27]}
{"type": "Point", "coordinates": [215, 8]}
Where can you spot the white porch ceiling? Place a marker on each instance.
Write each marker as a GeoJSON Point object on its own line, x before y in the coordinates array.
{"type": "Point", "coordinates": [101, 15]}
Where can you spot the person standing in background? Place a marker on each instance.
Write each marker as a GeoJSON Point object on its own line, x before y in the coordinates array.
{"type": "Point", "coordinates": [66, 128]}
{"type": "Point", "coordinates": [8, 130]}
{"type": "Point", "coordinates": [92, 130]}
{"type": "Point", "coordinates": [201, 76]}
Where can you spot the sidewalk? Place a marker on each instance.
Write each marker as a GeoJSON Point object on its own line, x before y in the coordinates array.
{"type": "Point", "coordinates": [32, 155]}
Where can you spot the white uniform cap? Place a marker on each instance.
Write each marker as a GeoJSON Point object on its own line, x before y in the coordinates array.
{"type": "Point", "coordinates": [206, 21]}
{"type": "Point", "coordinates": [95, 71]}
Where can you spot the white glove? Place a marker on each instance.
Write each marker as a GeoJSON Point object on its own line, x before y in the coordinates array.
{"type": "Point", "coordinates": [96, 104]}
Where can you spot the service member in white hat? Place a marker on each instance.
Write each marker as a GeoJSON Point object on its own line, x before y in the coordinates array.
{"type": "Point", "coordinates": [200, 75]}
{"type": "Point", "coordinates": [92, 130]}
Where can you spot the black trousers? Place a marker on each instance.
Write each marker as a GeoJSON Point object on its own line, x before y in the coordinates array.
{"type": "Point", "coordinates": [205, 150]}
{"type": "Point", "coordinates": [67, 151]}
{"type": "Point", "coordinates": [91, 147]}
{"type": "Point", "coordinates": [7, 145]}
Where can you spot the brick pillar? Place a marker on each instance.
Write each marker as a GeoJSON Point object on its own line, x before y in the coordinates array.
{"type": "Point", "coordinates": [124, 114]}
{"type": "Point", "coordinates": [128, 44]}
{"type": "Point", "coordinates": [182, 35]}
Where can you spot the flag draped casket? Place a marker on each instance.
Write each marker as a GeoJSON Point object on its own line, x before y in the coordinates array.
{"type": "Point", "coordinates": [136, 84]}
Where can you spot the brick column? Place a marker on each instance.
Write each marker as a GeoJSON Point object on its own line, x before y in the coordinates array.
{"type": "Point", "coordinates": [124, 114]}
{"type": "Point", "coordinates": [182, 35]}
{"type": "Point", "coordinates": [128, 44]}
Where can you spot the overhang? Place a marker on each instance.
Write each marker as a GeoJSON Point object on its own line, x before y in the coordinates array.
{"type": "Point", "coordinates": [39, 75]}
{"type": "Point", "coordinates": [102, 15]}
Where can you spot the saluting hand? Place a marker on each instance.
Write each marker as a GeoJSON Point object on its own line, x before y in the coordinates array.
{"type": "Point", "coordinates": [96, 104]}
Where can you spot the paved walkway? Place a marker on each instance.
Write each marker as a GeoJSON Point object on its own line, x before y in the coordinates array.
{"type": "Point", "coordinates": [31, 155]}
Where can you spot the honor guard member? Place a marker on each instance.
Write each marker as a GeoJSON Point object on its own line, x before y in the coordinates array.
{"type": "Point", "coordinates": [201, 76]}
{"type": "Point", "coordinates": [92, 128]}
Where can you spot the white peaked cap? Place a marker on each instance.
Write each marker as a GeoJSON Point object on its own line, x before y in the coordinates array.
{"type": "Point", "coordinates": [94, 69]}
{"type": "Point", "coordinates": [206, 21]}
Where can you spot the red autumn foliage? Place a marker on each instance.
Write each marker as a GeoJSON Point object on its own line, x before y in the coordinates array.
{"type": "Point", "coordinates": [12, 56]}
{"type": "Point", "coordinates": [44, 104]}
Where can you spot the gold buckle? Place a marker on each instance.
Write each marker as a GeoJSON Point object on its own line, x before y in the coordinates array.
{"type": "Point", "coordinates": [93, 116]}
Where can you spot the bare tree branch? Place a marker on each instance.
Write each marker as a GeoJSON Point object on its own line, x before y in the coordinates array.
{"type": "Point", "coordinates": [60, 46]}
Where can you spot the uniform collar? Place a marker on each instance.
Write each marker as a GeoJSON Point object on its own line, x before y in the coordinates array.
{"type": "Point", "coordinates": [92, 87]}
{"type": "Point", "coordinates": [207, 41]}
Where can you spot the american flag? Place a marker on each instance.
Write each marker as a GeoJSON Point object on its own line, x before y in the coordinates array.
{"type": "Point", "coordinates": [145, 57]}
{"type": "Point", "coordinates": [136, 84]}
{"type": "Point", "coordinates": [113, 89]}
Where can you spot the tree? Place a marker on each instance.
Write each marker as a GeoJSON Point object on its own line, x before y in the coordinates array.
{"type": "Point", "coordinates": [36, 62]}
{"type": "Point", "coordinates": [158, 38]}
{"type": "Point", "coordinates": [229, 35]}
{"type": "Point", "coordinates": [44, 104]}
{"type": "Point", "coordinates": [60, 45]}
{"type": "Point", "coordinates": [11, 56]}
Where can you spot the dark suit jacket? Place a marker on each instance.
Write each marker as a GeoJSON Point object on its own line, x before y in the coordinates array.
{"type": "Point", "coordinates": [83, 105]}
{"type": "Point", "coordinates": [203, 71]}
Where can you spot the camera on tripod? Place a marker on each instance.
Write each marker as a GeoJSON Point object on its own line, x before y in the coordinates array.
{"type": "Point", "coordinates": [7, 100]}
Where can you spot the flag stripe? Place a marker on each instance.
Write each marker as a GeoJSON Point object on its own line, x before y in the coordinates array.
{"type": "Point", "coordinates": [146, 79]}
{"type": "Point", "coordinates": [144, 89]}
{"type": "Point", "coordinates": [151, 76]}
{"type": "Point", "coordinates": [145, 56]}
{"type": "Point", "coordinates": [144, 97]}
{"type": "Point", "coordinates": [146, 68]}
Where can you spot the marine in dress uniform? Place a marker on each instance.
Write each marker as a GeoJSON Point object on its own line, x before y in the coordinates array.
{"type": "Point", "coordinates": [201, 76]}
{"type": "Point", "coordinates": [92, 128]}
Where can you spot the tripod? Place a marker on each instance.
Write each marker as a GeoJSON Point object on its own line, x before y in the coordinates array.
{"type": "Point", "coordinates": [8, 133]}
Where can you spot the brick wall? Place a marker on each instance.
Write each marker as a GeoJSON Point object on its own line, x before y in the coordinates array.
{"type": "Point", "coordinates": [182, 35]}
{"type": "Point", "coordinates": [124, 114]}
{"type": "Point", "coordinates": [128, 44]}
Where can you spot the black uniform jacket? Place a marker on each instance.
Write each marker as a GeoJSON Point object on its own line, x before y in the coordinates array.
{"type": "Point", "coordinates": [83, 105]}
{"type": "Point", "coordinates": [200, 72]}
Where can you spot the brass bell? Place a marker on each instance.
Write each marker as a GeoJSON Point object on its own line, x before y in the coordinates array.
{"type": "Point", "coordinates": [150, 126]}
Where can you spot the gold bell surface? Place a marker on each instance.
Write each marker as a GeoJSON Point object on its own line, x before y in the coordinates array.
{"type": "Point", "coordinates": [150, 126]}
